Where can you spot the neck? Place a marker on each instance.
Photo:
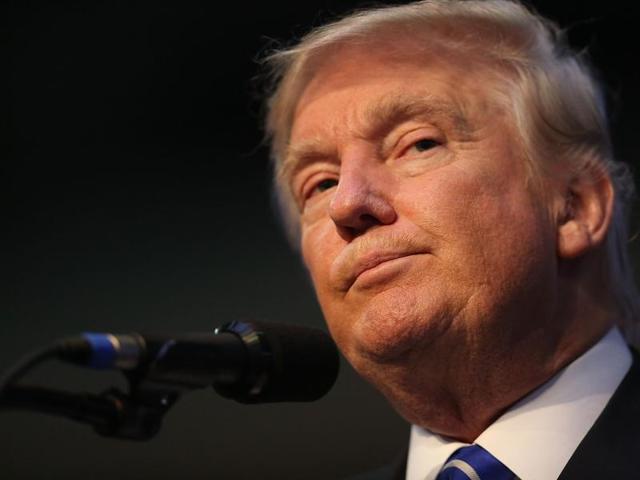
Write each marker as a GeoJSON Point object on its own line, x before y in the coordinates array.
{"type": "Point", "coordinates": [462, 398]}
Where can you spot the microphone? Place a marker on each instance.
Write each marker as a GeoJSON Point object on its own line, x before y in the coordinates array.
{"type": "Point", "coordinates": [250, 362]}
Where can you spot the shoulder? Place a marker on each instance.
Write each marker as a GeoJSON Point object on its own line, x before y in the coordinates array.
{"type": "Point", "coordinates": [393, 471]}
{"type": "Point", "coordinates": [610, 449]}
{"type": "Point", "coordinates": [384, 473]}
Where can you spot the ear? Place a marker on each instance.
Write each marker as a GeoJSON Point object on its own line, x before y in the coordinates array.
{"type": "Point", "coordinates": [585, 215]}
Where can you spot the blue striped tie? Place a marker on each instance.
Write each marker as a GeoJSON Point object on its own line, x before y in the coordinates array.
{"type": "Point", "coordinates": [474, 463]}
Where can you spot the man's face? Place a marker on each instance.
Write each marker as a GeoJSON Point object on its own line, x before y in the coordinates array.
{"type": "Point", "coordinates": [424, 240]}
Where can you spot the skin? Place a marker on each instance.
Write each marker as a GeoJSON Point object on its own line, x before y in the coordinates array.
{"type": "Point", "coordinates": [446, 279]}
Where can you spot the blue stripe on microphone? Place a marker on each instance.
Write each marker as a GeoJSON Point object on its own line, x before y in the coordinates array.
{"type": "Point", "coordinates": [103, 353]}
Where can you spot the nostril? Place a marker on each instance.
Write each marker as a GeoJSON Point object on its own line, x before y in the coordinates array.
{"type": "Point", "coordinates": [357, 227]}
{"type": "Point", "coordinates": [368, 220]}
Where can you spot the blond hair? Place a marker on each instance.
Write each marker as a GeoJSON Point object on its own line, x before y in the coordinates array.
{"type": "Point", "coordinates": [556, 102]}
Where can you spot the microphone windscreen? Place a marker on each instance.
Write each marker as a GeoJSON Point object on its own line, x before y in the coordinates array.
{"type": "Point", "coordinates": [301, 364]}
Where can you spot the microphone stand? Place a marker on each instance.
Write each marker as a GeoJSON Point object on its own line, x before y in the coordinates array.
{"type": "Point", "coordinates": [134, 416]}
{"type": "Point", "coordinates": [153, 388]}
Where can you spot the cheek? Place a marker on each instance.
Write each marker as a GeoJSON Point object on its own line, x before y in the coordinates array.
{"type": "Point", "coordinates": [485, 226]}
{"type": "Point", "coordinates": [320, 246]}
{"type": "Point", "coordinates": [457, 203]}
{"type": "Point", "coordinates": [319, 249]}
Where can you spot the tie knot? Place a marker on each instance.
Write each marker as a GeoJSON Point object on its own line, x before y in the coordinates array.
{"type": "Point", "coordinates": [474, 463]}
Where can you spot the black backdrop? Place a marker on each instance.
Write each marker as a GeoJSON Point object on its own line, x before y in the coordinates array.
{"type": "Point", "coordinates": [135, 196]}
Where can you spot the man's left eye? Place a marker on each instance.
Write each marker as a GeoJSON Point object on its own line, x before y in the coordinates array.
{"type": "Point", "coordinates": [425, 144]}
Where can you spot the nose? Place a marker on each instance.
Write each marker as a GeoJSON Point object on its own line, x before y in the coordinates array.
{"type": "Point", "coordinates": [361, 200]}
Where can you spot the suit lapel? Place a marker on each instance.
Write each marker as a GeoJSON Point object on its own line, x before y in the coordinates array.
{"type": "Point", "coordinates": [400, 466]}
{"type": "Point", "coordinates": [611, 449]}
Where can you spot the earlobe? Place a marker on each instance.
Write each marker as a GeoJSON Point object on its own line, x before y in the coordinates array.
{"type": "Point", "coordinates": [585, 215]}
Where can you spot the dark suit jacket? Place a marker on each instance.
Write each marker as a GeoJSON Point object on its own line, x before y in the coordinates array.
{"type": "Point", "coordinates": [611, 449]}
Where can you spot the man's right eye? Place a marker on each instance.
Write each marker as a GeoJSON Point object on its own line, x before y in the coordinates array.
{"type": "Point", "coordinates": [326, 184]}
{"type": "Point", "coordinates": [316, 188]}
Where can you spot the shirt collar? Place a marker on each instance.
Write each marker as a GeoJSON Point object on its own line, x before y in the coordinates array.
{"type": "Point", "coordinates": [536, 437]}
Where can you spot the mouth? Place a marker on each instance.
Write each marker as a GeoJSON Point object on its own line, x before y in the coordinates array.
{"type": "Point", "coordinates": [377, 268]}
{"type": "Point", "coordinates": [367, 264]}
{"type": "Point", "coordinates": [375, 260]}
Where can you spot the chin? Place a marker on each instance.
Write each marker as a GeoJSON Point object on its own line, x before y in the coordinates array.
{"type": "Point", "coordinates": [393, 325]}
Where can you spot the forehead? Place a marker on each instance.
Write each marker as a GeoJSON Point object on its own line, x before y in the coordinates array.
{"type": "Point", "coordinates": [371, 66]}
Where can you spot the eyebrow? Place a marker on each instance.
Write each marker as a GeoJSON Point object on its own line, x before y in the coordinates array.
{"type": "Point", "coordinates": [377, 120]}
{"type": "Point", "coordinates": [303, 153]}
{"type": "Point", "coordinates": [400, 107]}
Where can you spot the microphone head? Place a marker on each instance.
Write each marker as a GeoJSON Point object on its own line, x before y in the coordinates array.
{"type": "Point", "coordinates": [286, 363]}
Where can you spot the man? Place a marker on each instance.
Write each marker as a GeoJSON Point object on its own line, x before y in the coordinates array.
{"type": "Point", "coordinates": [445, 167]}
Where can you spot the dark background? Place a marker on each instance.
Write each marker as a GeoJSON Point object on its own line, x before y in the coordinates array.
{"type": "Point", "coordinates": [135, 196]}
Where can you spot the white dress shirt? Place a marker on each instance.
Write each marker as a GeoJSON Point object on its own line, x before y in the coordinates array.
{"type": "Point", "coordinates": [536, 437]}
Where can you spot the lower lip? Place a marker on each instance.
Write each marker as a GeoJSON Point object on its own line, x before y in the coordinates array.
{"type": "Point", "coordinates": [382, 273]}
